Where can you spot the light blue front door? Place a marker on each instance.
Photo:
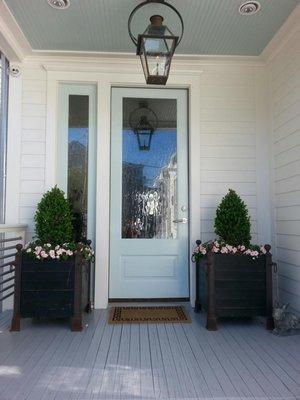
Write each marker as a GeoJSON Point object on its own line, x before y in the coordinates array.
{"type": "Point", "coordinates": [149, 194]}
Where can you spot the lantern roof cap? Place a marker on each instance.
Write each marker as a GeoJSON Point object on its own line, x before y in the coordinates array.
{"type": "Point", "coordinates": [156, 19]}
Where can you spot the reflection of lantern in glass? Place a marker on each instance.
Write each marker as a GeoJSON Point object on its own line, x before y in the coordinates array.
{"type": "Point", "coordinates": [142, 126]}
{"type": "Point", "coordinates": [156, 45]}
{"type": "Point", "coordinates": [144, 132]}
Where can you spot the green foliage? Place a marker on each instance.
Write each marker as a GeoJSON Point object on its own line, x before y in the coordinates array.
{"type": "Point", "coordinates": [53, 218]}
{"type": "Point", "coordinates": [232, 222]}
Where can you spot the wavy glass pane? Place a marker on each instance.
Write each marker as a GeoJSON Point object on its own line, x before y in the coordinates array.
{"type": "Point", "coordinates": [149, 170]}
{"type": "Point", "coordinates": [78, 161]}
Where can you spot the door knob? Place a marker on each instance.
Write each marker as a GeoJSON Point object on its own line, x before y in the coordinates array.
{"type": "Point", "coordinates": [180, 220]}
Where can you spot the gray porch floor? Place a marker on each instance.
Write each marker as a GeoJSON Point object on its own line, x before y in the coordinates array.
{"type": "Point", "coordinates": [163, 361]}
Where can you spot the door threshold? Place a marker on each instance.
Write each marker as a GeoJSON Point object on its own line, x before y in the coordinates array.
{"type": "Point", "coordinates": [153, 300]}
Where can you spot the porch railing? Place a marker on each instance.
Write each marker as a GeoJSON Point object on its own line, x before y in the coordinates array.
{"type": "Point", "coordinates": [10, 236]}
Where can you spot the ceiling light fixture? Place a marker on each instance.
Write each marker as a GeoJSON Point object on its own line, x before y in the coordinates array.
{"type": "Point", "coordinates": [59, 4]}
{"type": "Point", "coordinates": [157, 44]}
{"type": "Point", "coordinates": [249, 8]}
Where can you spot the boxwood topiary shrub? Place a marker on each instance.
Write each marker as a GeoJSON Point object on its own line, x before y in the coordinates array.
{"type": "Point", "coordinates": [232, 222]}
{"type": "Point", "coordinates": [53, 218]}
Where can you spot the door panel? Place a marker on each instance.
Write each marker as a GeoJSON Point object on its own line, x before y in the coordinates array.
{"type": "Point", "coordinates": [149, 194]}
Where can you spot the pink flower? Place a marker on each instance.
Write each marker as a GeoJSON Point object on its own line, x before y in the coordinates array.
{"type": "Point", "coordinates": [229, 247]}
{"type": "Point", "coordinates": [263, 250]}
{"type": "Point", "coordinates": [224, 250]}
{"type": "Point", "coordinates": [242, 248]}
{"type": "Point", "coordinates": [215, 249]}
{"type": "Point", "coordinates": [43, 254]}
{"type": "Point", "coordinates": [52, 254]}
{"type": "Point", "coordinates": [234, 250]}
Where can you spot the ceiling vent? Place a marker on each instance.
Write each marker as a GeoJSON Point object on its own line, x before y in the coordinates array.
{"type": "Point", "coordinates": [59, 4]}
{"type": "Point", "coordinates": [249, 8]}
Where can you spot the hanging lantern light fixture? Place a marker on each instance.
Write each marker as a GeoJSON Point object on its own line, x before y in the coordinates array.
{"type": "Point", "coordinates": [143, 121]}
{"type": "Point", "coordinates": [156, 45]}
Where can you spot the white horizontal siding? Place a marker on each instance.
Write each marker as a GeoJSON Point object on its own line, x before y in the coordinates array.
{"type": "Point", "coordinates": [223, 176]}
{"type": "Point", "coordinates": [29, 200]}
{"type": "Point", "coordinates": [231, 139]}
{"type": "Point", "coordinates": [33, 149]}
{"type": "Point", "coordinates": [228, 142]}
{"type": "Point", "coordinates": [33, 135]}
{"type": "Point", "coordinates": [33, 161]}
{"type": "Point", "coordinates": [30, 174]}
{"type": "Point", "coordinates": [34, 97]}
{"type": "Point", "coordinates": [285, 100]}
{"type": "Point", "coordinates": [288, 213]}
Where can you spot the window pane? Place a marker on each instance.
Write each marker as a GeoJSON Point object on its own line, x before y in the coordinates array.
{"type": "Point", "coordinates": [149, 168]}
{"type": "Point", "coordinates": [78, 161]}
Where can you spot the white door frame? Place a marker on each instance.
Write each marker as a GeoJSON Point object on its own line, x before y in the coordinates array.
{"type": "Point", "coordinates": [105, 78]}
{"type": "Point", "coordinates": [132, 280]}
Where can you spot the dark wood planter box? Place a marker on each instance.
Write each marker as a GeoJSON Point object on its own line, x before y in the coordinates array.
{"type": "Point", "coordinates": [51, 289]}
{"type": "Point", "coordinates": [234, 285]}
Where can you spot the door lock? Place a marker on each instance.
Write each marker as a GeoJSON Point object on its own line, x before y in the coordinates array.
{"type": "Point", "coordinates": [180, 220]}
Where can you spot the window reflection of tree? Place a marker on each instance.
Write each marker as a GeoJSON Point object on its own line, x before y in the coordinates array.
{"type": "Point", "coordinates": [78, 183]}
{"type": "Point", "coordinates": [78, 162]}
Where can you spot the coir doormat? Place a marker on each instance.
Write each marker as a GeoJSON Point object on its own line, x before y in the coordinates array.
{"type": "Point", "coordinates": [153, 314]}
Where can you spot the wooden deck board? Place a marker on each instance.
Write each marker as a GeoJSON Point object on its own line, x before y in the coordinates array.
{"type": "Point", "coordinates": [259, 369]}
{"type": "Point", "coordinates": [143, 362]}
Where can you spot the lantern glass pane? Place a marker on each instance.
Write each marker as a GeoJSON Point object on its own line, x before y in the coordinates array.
{"type": "Point", "coordinates": [158, 65]}
{"type": "Point", "coordinates": [158, 46]}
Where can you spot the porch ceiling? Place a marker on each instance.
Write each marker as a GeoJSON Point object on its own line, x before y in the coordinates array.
{"type": "Point", "coordinates": [213, 27]}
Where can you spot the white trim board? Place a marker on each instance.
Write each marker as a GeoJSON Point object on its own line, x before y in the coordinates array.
{"type": "Point", "coordinates": [13, 42]}
{"type": "Point", "coordinates": [13, 151]}
{"type": "Point", "coordinates": [282, 36]}
{"type": "Point", "coordinates": [104, 84]}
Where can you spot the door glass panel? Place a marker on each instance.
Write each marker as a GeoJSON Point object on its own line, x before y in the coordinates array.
{"type": "Point", "coordinates": [78, 131]}
{"type": "Point", "coordinates": [149, 168]}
